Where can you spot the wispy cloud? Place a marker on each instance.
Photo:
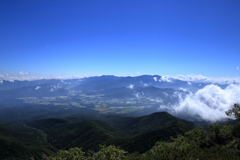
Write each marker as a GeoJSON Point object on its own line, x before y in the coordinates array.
{"type": "Point", "coordinates": [131, 86]}
{"type": "Point", "coordinates": [38, 87]}
{"type": "Point", "coordinates": [183, 89]}
{"type": "Point", "coordinates": [23, 73]}
{"type": "Point", "coordinates": [189, 78]}
{"type": "Point", "coordinates": [166, 78]}
{"type": "Point", "coordinates": [203, 79]}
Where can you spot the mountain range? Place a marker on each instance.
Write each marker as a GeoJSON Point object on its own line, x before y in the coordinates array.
{"type": "Point", "coordinates": [140, 95]}
{"type": "Point", "coordinates": [40, 117]}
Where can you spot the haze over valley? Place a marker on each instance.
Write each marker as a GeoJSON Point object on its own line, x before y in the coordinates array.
{"type": "Point", "coordinates": [194, 100]}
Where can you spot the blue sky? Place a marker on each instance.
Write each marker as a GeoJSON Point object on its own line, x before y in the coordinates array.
{"type": "Point", "coordinates": [120, 37]}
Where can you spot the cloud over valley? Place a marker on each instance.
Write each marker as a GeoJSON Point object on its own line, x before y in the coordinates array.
{"type": "Point", "coordinates": [208, 103]}
{"type": "Point", "coordinates": [191, 96]}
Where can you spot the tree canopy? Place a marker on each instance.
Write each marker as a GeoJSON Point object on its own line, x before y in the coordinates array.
{"type": "Point", "coordinates": [235, 111]}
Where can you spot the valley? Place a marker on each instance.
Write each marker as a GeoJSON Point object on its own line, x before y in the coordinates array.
{"type": "Point", "coordinates": [134, 113]}
{"type": "Point", "coordinates": [107, 94]}
{"type": "Point", "coordinates": [96, 102]}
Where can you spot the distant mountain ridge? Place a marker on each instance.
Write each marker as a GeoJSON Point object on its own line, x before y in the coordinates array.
{"type": "Point", "coordinates": [139, 95]}
{"type": "Point", "coordinates": [101, 82]}
{"type": "Point", "coordinates": [111, 86]}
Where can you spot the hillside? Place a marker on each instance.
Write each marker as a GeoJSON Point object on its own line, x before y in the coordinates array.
{"type": "Point", "coordinates": [19, 141]}
{"type": "Point", "coordinates": [121, 131]}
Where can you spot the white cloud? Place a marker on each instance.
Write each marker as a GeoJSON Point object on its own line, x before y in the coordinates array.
{"type": "Point", "coordinates": [164, 107]}
{"type": "Point", "coordinates": [26, 77]}
{"type": "Point", "coordinates": [159, 101]}
{"type": "Point", "coordinates": [183, 89]}
{"type": "Point", "coordinates": [191, 77]}
{"type": "Point", "coordinates": [137, 95]}
{"type": "Point", "coordinates": [166, 78]}
{"type": "Point", "coordinates": [1, 77]}
{"type": "Point", "coordinates": [130, 86]}
{"type": "Point", "coordinates": [176, 94]}
{"type": "Point", "coordinates": [155, 78]}
{"type": "Point", "coordinates": [189, 83]}
{"type": "Point", "coordinates": [11, 80]}
{"type": "Point", "coordinates": [145, 84]}
{"type": "Point", "coordinates": [202, 79]}
{"type": "Point", "coordinates": [165, 94]}
{"type": "Point", "coordinates": [210, 103]}
{"type": "Point", "coordinates": [23, 73]}
{"type": "Point", "coordinates": [38, 87]}
{"type": "Point", "coordinates": [188, 78]}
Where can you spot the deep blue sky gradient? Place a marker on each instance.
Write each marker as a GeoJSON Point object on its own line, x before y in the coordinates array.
{"type": "Point", "coordinates": [120, 37]}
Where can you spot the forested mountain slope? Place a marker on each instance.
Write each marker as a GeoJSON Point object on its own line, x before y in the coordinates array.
{"type": "Point", "coordinates": [121, 131]}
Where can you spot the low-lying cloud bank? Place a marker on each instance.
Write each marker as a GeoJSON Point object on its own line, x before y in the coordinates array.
{"type": "Point", "coordinates": [209, 103]}
{"type": "Point", "coordinates": [202, 79]}
{"type": "Point", "coordinates": [25, 76]}
{"type": "Point", "coordinates": [190, 78]}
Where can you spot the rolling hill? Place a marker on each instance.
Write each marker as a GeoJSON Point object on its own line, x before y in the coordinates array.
{"type": "Point", "coordinates": [117, 130]}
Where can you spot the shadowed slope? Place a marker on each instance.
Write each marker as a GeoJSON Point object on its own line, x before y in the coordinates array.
{"type": "Point", "coordinates": [122, 131]}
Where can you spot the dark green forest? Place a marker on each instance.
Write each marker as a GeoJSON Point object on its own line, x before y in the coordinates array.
{"type": "Point", "coordinates": [110, 137]}
{"type": "Point", "coordinates": [213, 142]}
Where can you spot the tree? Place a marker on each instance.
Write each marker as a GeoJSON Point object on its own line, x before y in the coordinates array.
{"type": "Point", "coordinates": [105, 153]}
{"type": "Point", "coordinates": [235, 111]}
{"type": "Point", "coordinates": [71, 154]}
{"type": "Point", "coordinates": [109, 153]}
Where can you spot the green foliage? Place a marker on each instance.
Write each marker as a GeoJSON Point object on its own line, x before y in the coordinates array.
{"type": "Point", "coordinates": [71, 154]}
{"type": "Point", "coordinates": [217, 142]}
{"type": "Point", "coordinates": [173, 151]}
{"type": "Point", "coordinates": [213, 143]}
{"type": "Point", "coordinates": [109, 153]}
{"type": "Point", "coordinates": [235, 111]}
{"type": "Point", "coordinates": [198, 137]}
{"type": "Point", "coordinates": [105, 153]}
{"type": "Point", "coordinates": [236, 130]}
{"type": "Point", "coordinates": [143, 142]}
{"type": "Point", "coordinates": [18, 141]}
{"type": "Point", "coordinates": [221, 134]}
